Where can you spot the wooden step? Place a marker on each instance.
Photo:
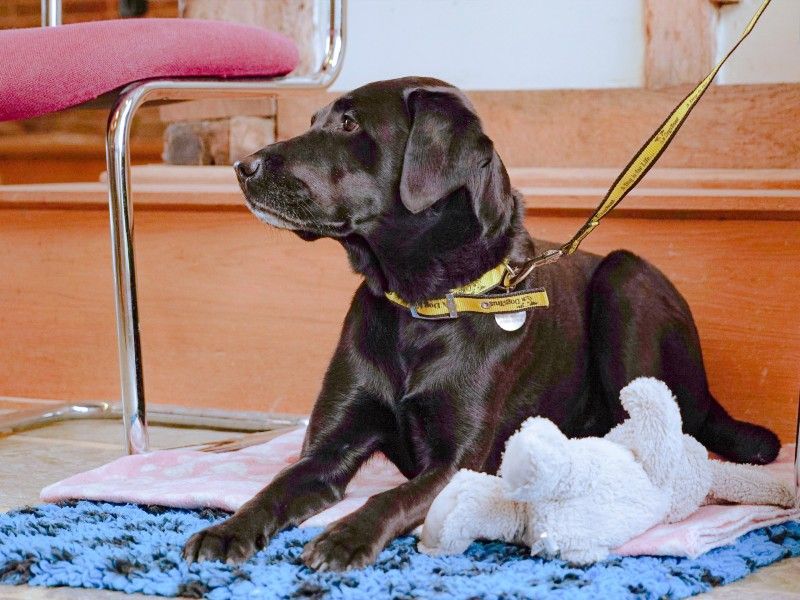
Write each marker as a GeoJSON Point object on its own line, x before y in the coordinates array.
{"type": "Point", "coordinates": [699, 193]}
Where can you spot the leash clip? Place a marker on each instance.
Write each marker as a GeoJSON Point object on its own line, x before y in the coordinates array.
{"type": "Point", "coordinates": [514, 277]}
{"type": "Point", "coordinates": [451, 309]}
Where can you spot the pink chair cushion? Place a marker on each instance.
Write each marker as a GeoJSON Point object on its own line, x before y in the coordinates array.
{"type": "Point", "coordinates": [43, 70]}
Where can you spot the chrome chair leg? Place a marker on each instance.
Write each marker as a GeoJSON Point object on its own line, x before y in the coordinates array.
{"type": "Point", "coordinates": [23, 420]}
{"type": "Point", "coordinates": [167, 415]}
{"type": "Point", "coordinates": [121, 208]}
{"type": "Point", "coordinates": [121, 217]}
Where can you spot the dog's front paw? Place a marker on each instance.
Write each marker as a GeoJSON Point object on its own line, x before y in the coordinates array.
{"type": "Point", "coordinates": [232, 541]}
{"type": "Point", "coordinates": [343, 546]}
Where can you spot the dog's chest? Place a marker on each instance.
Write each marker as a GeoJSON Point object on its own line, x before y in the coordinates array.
{"type": "Point", "coordinates": [430, 353]}
{"type": "Point", "coordinates": [434, 358]}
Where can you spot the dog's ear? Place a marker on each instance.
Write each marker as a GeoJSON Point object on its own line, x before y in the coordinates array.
{"type": "Point", "coordinates": [446, 147]}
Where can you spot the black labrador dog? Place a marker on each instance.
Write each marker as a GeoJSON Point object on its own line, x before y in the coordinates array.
{"type": "Point", "coordinates": [402, 175]}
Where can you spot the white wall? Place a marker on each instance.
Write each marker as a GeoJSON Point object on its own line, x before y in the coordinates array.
{"type": "Point", "coordinates": [496, 44]}
{"type": "Point", "coordinates": [771, 54]}
{"type": "Point", "coordinates": [545, 44]}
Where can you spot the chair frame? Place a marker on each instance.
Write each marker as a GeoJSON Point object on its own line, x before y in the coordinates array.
{"type": "Point", "coordinates": [128, 101]}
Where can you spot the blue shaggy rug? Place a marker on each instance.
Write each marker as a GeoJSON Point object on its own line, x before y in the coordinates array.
{"type": "Point", "coordinates": [138, 549]}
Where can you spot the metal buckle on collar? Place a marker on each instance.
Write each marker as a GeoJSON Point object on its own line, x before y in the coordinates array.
{"type": "Point", "coordinates": [451, 307]}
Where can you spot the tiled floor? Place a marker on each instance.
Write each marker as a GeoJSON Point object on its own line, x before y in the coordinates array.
{"type": "Point", "coordinates": [50, 453]}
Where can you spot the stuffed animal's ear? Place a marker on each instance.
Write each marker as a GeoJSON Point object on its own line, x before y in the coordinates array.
{"type": "Point", "coordinates": [544, 430]}
{"type": "Point", "coordinates": [535, 460]}
{"type": "Point", "coordinates": [446, 147]}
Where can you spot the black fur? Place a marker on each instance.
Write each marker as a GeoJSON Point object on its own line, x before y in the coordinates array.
{"type": "Point", "coordinates": [402, 175]}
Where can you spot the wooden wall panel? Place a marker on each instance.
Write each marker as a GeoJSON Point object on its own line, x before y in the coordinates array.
{"type": "Point", "coordinates": [70, 145]}
{"type": "Point", "coordinates": [734, 126]}
{"type": "Point", "coordinates": [679, 41]}
{"type": "Point", "coordinates": [229, 321]}
{"type": "Point", "coordinates": [752, 126]}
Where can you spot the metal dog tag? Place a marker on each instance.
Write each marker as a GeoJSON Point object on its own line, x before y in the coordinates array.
{"type": "Point", "coordinates": [510, 321]}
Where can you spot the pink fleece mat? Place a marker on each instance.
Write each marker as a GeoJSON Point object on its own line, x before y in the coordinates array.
{"type": "Point", "coordinates": [187, 478]}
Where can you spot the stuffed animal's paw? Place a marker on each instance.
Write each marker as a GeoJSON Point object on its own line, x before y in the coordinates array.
{"type": "Point", "coordinates": [584, 556]}
{"type": "Point", "coordinates": [749, 484]}
{"type": "Point", "coordinates": [470, 507]}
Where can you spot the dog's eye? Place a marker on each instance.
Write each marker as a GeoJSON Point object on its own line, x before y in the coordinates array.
{"type": "Point", "coordinates": [349, 124]}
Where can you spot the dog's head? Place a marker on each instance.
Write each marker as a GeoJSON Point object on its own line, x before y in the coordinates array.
{"type": "Point", "coordinates": [396, 170]}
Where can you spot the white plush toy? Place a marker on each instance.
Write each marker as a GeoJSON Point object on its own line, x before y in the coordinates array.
{"type": "Point", "coordinates": [580, 498]}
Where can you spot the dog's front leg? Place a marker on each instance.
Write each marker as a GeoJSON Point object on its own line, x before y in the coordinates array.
{"type": "Point", "coordinates": [303, 489]}
{"type": "Point", "coordinates": [357, 539]}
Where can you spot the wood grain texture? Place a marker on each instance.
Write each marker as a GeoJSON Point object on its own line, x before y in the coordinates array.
{"type": "Point", "coordinates": [238, 316]}
{"type": "Point", "coordinates": [751, 126]}
{"type": "Point", "coordinates": [76, 132]}
{"type": "Point", "coordinates": [681, 193]}
{"type": "Point", "coordinates": [733, 126]}
{"type": "Point", "coordinates": [216, 108]}
{"type": "Point", "coordinates": [679, 41]}
{"type": "Point", "coordinates": [764, 179]}
{"type": "Point", "coordinates": [70, 145]}
{"type": "Point", "coordinates": [740, 127]}
{"type": "Point", "coordinates": [295, 111]}
{"type": "Point", "coordinates": [19, 170]}
{"type": "Point", "coordinates": [223, 326]}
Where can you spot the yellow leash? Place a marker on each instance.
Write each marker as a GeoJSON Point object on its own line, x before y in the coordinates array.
{"type": "Point", "coordinates": [637, 168]}
{"type": "Point", "coordinates": [473, 296]}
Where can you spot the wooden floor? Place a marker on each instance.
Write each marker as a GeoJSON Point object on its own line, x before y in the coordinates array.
{"type": "Point", "coordinates": [236, 315]}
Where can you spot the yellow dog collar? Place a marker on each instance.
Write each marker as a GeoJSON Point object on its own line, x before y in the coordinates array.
{"type": "Point", "coordinates": [473, 298]}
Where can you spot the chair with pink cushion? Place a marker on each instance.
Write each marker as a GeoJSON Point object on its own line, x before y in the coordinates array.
{"type": "Point", "coordinates": [134, 61]}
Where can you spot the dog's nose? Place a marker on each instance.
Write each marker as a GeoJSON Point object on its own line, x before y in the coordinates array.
{"type": "Point", "coordinates": [247, 167]}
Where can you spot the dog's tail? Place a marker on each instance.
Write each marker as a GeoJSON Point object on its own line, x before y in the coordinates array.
{"type": "Point", "coordinates": [748, 484]}
{"type": "Point", "coordinates": [738, 441]}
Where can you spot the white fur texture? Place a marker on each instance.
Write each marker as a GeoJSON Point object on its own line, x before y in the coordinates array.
{"type": "Point", "coordinates": [580, 498]}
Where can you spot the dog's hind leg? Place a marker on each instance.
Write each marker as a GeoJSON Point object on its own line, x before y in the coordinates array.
{"type": "Point", "coordinates": [641, 326]}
